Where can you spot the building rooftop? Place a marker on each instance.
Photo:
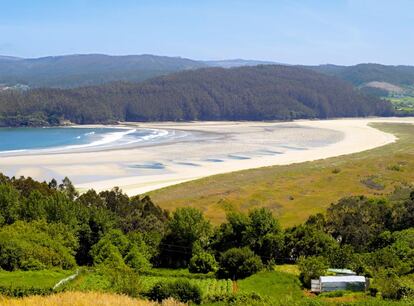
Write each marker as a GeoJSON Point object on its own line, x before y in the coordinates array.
{"type": "Point", "coordinates": [345, 278]}
{"type": "Point", "coordinates": [342, 271]}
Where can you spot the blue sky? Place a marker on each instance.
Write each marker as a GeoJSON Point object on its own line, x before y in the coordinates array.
{"type": "Point", "coordinates": [294, 32]}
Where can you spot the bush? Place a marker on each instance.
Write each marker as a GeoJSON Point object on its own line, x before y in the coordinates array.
{"type": "Point", "coordinates": [391, 286]}
{"type": "Point", "coordinates": [36, 245]}
{"type": "Point", "coordinates": [21, 291]}
{"type": "Point", "coordinates": [106, 254]}
{"type": "Point", "coordinates": [181, 290]}
{"type": "Point", "coordinates": [311, 268]}
{"type": "Point", "coordinates": [203, 263]}
{"type": "Point", "coordinates": [238, 263]}
{"type": "Point", "coordinates": [239, 299]}
{"type": "Point", "coordinates": [32, 264]}
{"type": "Point", "coordinates": [124, 281]}
{"type": "Point", "coordinates": [136, 260]}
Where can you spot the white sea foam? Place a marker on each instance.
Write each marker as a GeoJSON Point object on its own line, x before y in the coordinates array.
{"type": "Point", "coordinates": [105, 140]}
{"type": "Point", "coordinates": [120, 138]}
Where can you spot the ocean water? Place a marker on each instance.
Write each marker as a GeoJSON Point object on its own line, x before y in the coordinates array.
{"type": "Point", "coordinates": [56, 139]}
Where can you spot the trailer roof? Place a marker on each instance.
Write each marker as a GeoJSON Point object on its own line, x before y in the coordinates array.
{"type": "Point", "coordinates": [346, 279]}
{"type": "Point", "coordinates": [342, 271]}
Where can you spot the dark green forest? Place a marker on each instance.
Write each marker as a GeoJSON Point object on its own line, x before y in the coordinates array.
{"type": "Point", "coordinates": [245, 93]}
{"type": "Point", "coordinates": [49, 225]}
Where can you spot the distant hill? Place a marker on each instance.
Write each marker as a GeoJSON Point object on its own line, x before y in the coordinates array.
{"type": "Point", "coordinates": [88, 69]}
{"type": "Point", "coordinates": [362, 74]}
{"type": "Point", "coordinates": [70, 71]}
{"type": "Point", "coordinates": [244, 93]}
{"type": "Point", "coordinates": [238, 63]}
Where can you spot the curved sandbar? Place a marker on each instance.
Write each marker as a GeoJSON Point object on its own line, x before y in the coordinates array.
{"type": "Point", "coordinates": [221, 147]}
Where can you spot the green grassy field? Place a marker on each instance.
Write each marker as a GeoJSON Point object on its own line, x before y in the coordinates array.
{"type": "Point", "coordinates": [294, 192]}
{"type": "Point", "coordinates": [94, 281]}
{"type": "Point", "coordinates": [277, 286]}
{"type": "Point", "coordinates": [28, 279]}
{"type": "Point", "coordinates": [280, 286]}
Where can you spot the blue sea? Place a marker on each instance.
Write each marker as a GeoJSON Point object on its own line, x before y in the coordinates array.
{"type": "Point", "coordinates": [56, 139]}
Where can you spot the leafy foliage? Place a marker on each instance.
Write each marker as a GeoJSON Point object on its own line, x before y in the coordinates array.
{"type": "Point", "coordinates": [182, 290]}
{"type": "Point", "coordinates": [202, 262]}
{"type": "Point", "coordinates": [238, 263]}
{"type": "Point", "coordinates": [311, 268]}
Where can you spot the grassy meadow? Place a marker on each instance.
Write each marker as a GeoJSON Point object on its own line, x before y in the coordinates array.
{"type": "Point", "coordinates": [209, 285]}
{"type": "Point", "coordinates": [294, 192]}
{"type": "Point", "coordinates": [279, 286]}
{"type": "Point", "coordinates": [28, 279]}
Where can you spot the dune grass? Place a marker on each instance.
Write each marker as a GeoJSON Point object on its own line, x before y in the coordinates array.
{"type": "Point", "coordinates": [82, 299]}
{"type": "Point", "coordinates": [293, 192]}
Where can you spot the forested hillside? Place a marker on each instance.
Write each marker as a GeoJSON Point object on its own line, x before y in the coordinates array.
{"type": "Point", "coordinates": [245, 93]}
{"type": "Point", "coordinates": [88, 69]}
{"type": "Point", "coordinates": [365, 73]}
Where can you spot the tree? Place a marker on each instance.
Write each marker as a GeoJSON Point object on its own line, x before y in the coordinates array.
{"type": "Point", "coordinates": [187, 226]}
{"type": "Point", "coordinates": [136, 260]}
{"type": "Point", "coordinates": [305, 240]}
{"type": "Point", "coordinates": [68, 188]}
{"type": "Point", "coordinates": [357, 220]}
{"type": "Point", "coordinates": [238, 263]}
{"type": "Point", "coordinates": [9, 204]}
{"type": "Point", "coordinates": [311, 268]}
{"type": "Point", "coordinates": [34, 207]}
{"type": "Point", "coordinates": [264, 235]}
{"type": "Point", "coordinates": [231, 233]}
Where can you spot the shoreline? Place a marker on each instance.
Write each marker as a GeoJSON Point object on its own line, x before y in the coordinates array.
{"type": "Point", "coordinates": [138, 170]}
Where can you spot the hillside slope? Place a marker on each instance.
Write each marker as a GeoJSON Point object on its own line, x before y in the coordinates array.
{"type": "Point", "coordinates": [246, 93]}
{"type": "Point", "coordinates": [364, 73]}
{"type": "Point", "coordinates": [88, 69]}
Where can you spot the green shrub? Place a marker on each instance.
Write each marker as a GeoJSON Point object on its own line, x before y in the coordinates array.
{"type": "Point", "coordinates": [239, 299]}
{"type": "Point", "coordinates": [123, 280]}
{"type": "Point", "coordinates": [36, 245]}
{"type": "Point", "coordinates": [32, 264]}
{"type": "Point", "coordinates": [136, 260]}
{"type": "Point", "coordinates": [12, 291]}
{"type": "Point", "coordinates": [238, 263]}
{"type": "Point", "coordinates": [311, 268]}
{"type": "Point", "coordinates": [203, 263]}
{"type": "Point", "coordinates": [182, 290]}
{"type": "Point", "coordinates": [391, 286]}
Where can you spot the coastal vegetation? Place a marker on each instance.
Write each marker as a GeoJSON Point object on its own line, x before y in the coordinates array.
{"type": "Point", "coordinates": [294, 192]}
{"type": "Point", "coordinates": [131, 246]}
{"type": "Point", "coordinates": [246, 93]}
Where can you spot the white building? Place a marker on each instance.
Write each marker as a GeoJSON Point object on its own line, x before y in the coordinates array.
{"type": "Point", "coordinates": [340, 282]}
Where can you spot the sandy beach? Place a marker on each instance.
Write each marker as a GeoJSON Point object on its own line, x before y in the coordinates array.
{"type": "Point", "coordinates": [216, 147]}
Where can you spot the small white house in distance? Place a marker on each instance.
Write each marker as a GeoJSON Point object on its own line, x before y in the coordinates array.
{"type": "Point", "coordinates": [339, 282]}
